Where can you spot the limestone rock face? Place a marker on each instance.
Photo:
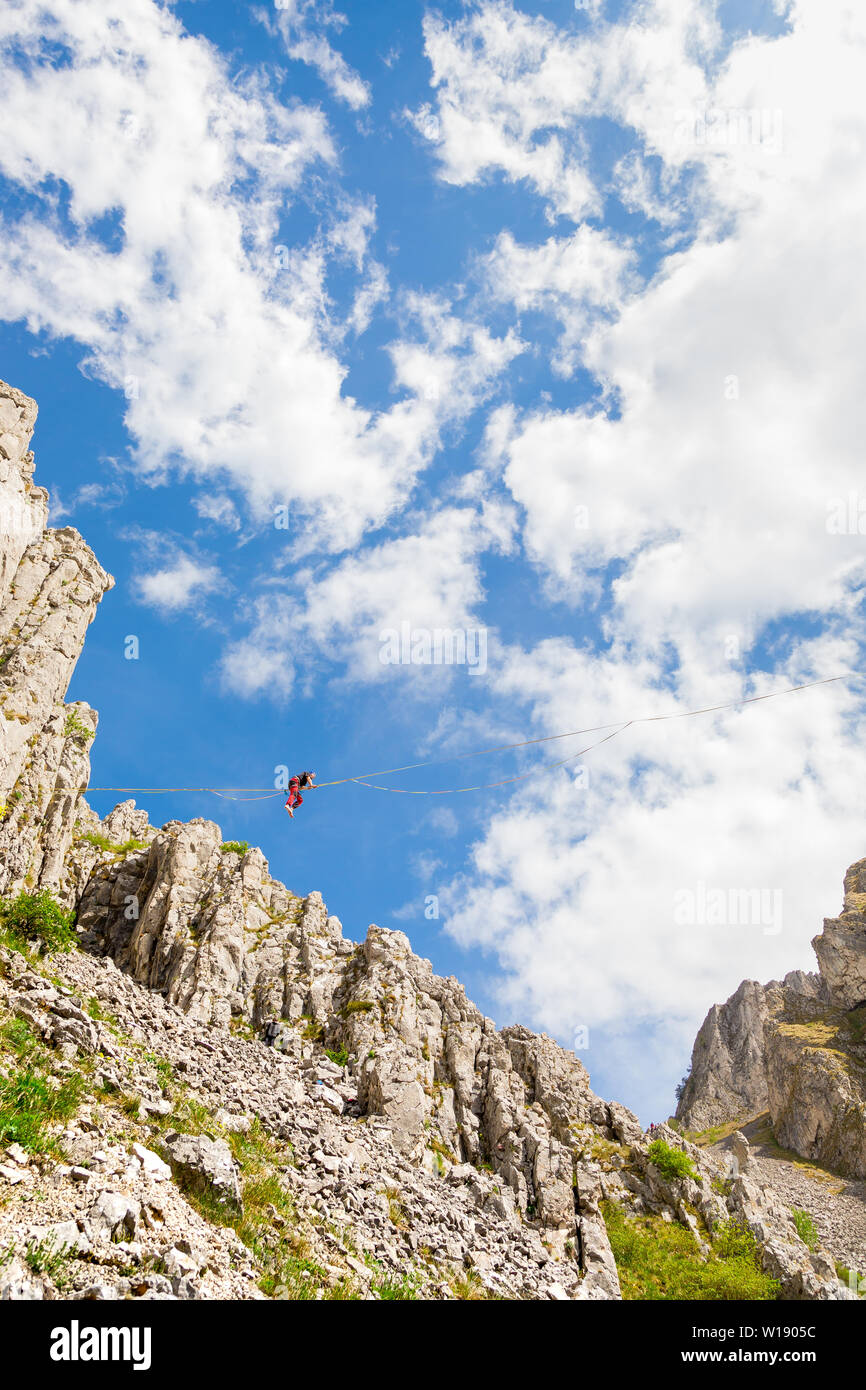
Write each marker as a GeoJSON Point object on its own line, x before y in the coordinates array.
{"type": "Point", "coordinates": [795, 1048]}
{"type": "Point", "coordinates": [816, 1077]}
{"type": "Point", "coordinates": [24, 506]}
{"type": "Point", "coordinates": [841, 947]}
{"type": "Point", "coordinates": [728, 1075]}
{"type": "Point", "coordinates": [221, 939]}
{"type": "Point", "coordinates": [50, 586]}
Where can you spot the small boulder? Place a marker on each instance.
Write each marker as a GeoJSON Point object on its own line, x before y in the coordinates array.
{"type": "Point", "coordinates": [206, 1166]}
{"type": "Point", "coordinates": [116, 1215]}
{"type": "Point", "coordinates": [61, 1236]}
{"type": "Point", "coordinates": [154, 1167]}
{"type": "Point", "coordinates": [741, 1151]}
{"type": "Point", "coordinates": [17, 1284]}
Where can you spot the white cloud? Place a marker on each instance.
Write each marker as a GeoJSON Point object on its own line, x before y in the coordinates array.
{"type": "Point", "coordinates": [216, 507]}
{"type": "Point", "coordinates": [511, 90]}
{"type": "Point", "coordinates": [105, 496]}
{"type": "Point", "coordinates": [192, 307]}
{"type": "Point", "coordinates": [634, 185]}
{"type": "Point", "coordinates": [429, 578]}
{"type": "Point", "coordinates": [301, 22]}
{"type": "Point", "coordinates": [740, 418]}
{"type": "Point", "coordinates": [729, 419]}
{"type": "Point", "coordinates": [178, 585]}
{"type": "Point", "coordinates": [575, 279]}
{"type": "Point", "coordinates": [505, 85]}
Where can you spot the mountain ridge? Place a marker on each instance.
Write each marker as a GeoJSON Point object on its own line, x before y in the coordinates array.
{"type": "Point", "coordinates": [346, 1051]}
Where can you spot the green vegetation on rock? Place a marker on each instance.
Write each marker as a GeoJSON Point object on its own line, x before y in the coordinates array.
{"type": "Point", "coordinates": [76, 729]}
{"type": "Point", "coordinates": [32, 1099]}
{"type": "Point", "coordinates": [659, 1260]}
{"type": "Point", "coordinates": [671, 1163]}
{"type": "Point", "coordinates": [36, 919]}
{"type": "Point", "coordinates": [806, 1228]}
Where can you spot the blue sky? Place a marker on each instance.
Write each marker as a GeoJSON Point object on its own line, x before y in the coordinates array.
{"type": "Point", "coordinates": [540, 320]}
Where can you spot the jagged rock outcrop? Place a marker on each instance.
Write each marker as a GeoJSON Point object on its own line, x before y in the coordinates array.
{"type": "Point", "coordinates": [419, 1133]}
{"type": "Point", "coordinates": [795, 1048]}
{"type": "Point", "coordinates": [50, 586]}
{"type": "Point", "coordinates": [727, 1077]}
{"type": "Point", "coordinates": [841, 947]}
{"type": "Point", "coordinates": [24, 506]}
{"type": "Point", "coordinates": [728, 1074]}
{"type": "Point", "coordinates": [221, 939]}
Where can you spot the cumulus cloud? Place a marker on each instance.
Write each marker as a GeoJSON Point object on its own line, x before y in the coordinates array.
{"type": "Point", "coordinates": [574, 279]}
{"type": "Point", "coordinates": [177, 586]}
{"type": "Point", "coordinates": [715, 387]}
{"type": "Point", "coordinates": [696, 507]}
{"type": "Point", "coordinates": [167, 265]}
{"type": "Point", "coordinates": [429, 578]}
{"type": "Point", "coordinates": [511, 90]}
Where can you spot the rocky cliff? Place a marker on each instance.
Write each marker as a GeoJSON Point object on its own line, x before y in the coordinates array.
{"type": "Point", "coordinates": [247, 1102]}
{"type": "Point", "coordinates": [50, 586]}
{"type": "Point", "coordinates": [795, 1048]}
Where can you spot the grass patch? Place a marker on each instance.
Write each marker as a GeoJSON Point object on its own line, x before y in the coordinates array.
{"type": "Point", "coordinates": [658, 1260]}
{"type": "Point", "coordinates": [852, 1280]}
{"type": "Point", "coordinates": [107, 846]}
{"type": "Point", "coordinates": [267, 1222]}
{"type": "Point", "coordinates": [49, 1258]}
{"type": "Point", "coordinates": [469, 1287]}
{"type": "Point", "coordinates": [356, 1006]}
{"type": "Point", "coordinates": [441, 1150]}
{"type": "Point", "coordinates": [32, 1100]}
{"type": "Point", "coordinates": [391, 1289]}
{"type": "Point", "coordinates": [713, 1135]}
{"type": "Point", "coordinates": [396, 1209]}
{"type": "Point", "coordinates": [806, 1228]}
{"type": "Point", "coordinates": [338, 1055]}
{"type": "Point", "coordinates": [35, 918]}
{"type": "Point", "coordinates": [164, 1071]}
{"type": "Point", "coordinates": [671, 1163]}
{"type": "Point", "coordinates": [234, 847]}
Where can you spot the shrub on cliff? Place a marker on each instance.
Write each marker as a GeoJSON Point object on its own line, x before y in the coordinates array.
{"type": "Point", "coordinates": [671, 1163]}
{"type": "Point", "coordinates": [36, 918]}
{"type": "Point", "coordinates": [76, 729]}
